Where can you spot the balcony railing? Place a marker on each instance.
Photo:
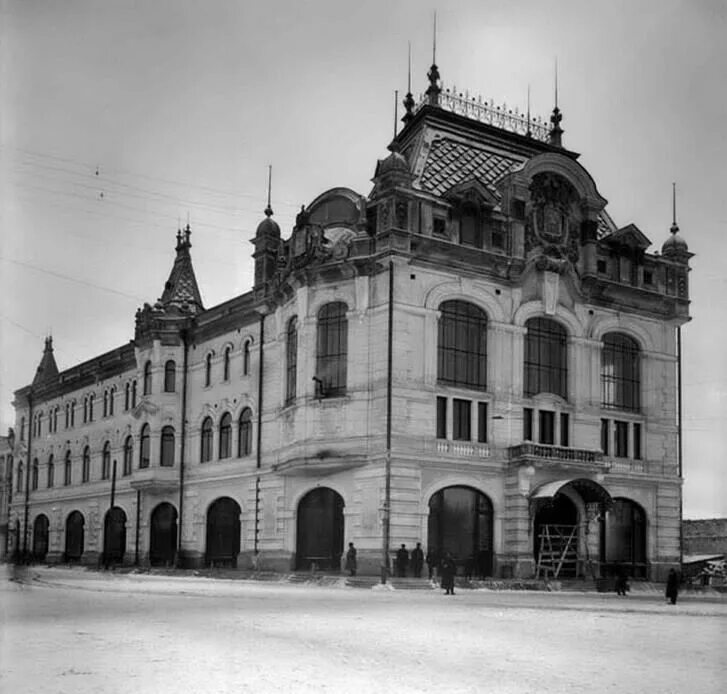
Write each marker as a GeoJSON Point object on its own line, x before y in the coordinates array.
{"type": "Point", "coordinates": [462, 449]}
{"type": "Point", "coordinates": [560, 454]}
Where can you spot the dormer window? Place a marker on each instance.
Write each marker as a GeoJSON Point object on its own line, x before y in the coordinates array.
{"type": "Point", "coordinates": [470, 227]}
{"type": "Point", "coordinates": [439, 226]}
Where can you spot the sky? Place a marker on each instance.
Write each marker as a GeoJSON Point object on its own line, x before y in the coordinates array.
{"type": "Point", "coordinates": [121, 120]}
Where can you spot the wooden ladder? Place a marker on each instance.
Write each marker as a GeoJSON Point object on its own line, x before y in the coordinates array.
{"type": "Point", "coordinates": [558, 549]}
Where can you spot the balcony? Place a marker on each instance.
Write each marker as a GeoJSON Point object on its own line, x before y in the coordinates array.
{"type": "Point", "coordinates": [459, 449]}
{"type": "Point", "coordinates": [541, 454]}
{"type": "Point", "coordinates": [156, 479]}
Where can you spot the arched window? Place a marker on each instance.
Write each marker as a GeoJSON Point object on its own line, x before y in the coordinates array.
{"type": "Point", "coordinates": [19, 480]}
{"type": "Point", "coordinates": [244, 433]}
{"type": "Point", "coordinates": [67, 469]}
{"type": "Point", "coordinates": [546, 358]}
{"type": "Point", "coordinates": [206, 447]}
{"type": "Point", "coordinates": [106, 403]}
{"type": "Point", "coordinates": [22, 428]}
{"type": "Point", "coordinates": [55, 418]}
{"type": "Point", "coordinates": [68, 415]}
{"type": "Point", "coordinates": [127, 396]}
{"type": "Point", "coordinates": [112, 395]}
{"type": "Point", "coordinates": [128, 455]}
{"type": "Point", "coordinates": [85, 409]}
{"type": "Point", "coordinates": [332, 351]}
{"type": "Point", "coordinates": [167, 450]}
{"type": "Point", "coordinates": [620, 373]}
{"type": "Point", "coordinates": [51, 472]}
{"type": "Point", "coordinates": [73, 413]}
{"type": "Point", "coordinates": [170, 376]}
{"type": "Point", "coordinates": [144, 447]}
{"type": "Point", "coordinates": [133, 393]}
{"type": "Point", "coordinates": [226, 435]}
{"type": "Point", "coordinates": [34, 475]}
{"type": "Point", "coordinates": [86, 468]}
{"type": "Point", "coordinates": [291, 360]}
{"type": "Point", "coordinates": [91, 399]}
{"type": "Point", "coordinates": [246, 358]}
{"type": "Point", "coordinates": [106, 461]}
{"type": "Point", "coordinates": [208, 370]}
{"type": "Point", "coordinates": [226, 365]}
{"type": "Point", "coordinates": [147, 378]}
{"type": "Point", "coordinates": [462, 345]}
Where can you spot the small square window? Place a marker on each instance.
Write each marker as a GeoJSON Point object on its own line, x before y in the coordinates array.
{"type": "Point", "coordinates": [605, 436]}
{"type": "Point", "coordinates": [547, 426]}
{"type": "Point", "coordinates": [564, 429]}
{"type": "Point", "coordinates": [441, 418]}
{"type": "Point", "coordinates": [439, 226]}
{"type": "Point", "coordinates": [528, 424]}
{"type": "Point", "coordinates": [461, 420]}
{"type": "Point", "coordinates": [498, 240]}
{"type": "Point", "coordinates": [648, 277]}
{"type": "Point", "coordinates": [482, 422]}
{"type": "Point", "coordinates": [601, 267]}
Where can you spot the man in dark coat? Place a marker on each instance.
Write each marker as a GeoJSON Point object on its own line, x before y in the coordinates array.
{"type": "Point", "coordinates": [351, 559]}
{"type": "Point", "coordinates": [672, 586]}
{"type": "Point", "coordinates": [622, 582]}
{"type": "Point", "coordinates": [448, 569]}
{"type": "Point", "coordinates": [417, 560]}
{"type": "Point", "coordinates": [402, 561]}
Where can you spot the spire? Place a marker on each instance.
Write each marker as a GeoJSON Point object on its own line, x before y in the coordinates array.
{"type": "Point", "coordinates": [408, 99]}
{"type": "Point", "coordinates": [556, 132]}
{"type": "Point", "coordinates": [675, 247]}
{"type": "Point", "coordinates": [434, 90]}
{"type": "Point", "coordinates": [674, 226]}
{"type": "Point", "coordinates": [269, 209]}
{"type": "Point", "coordinates": [528, 133]}
{"type": "Point", "coordinates": [47, 371]}
{"type": "Point", "coordinates": [181, 290]}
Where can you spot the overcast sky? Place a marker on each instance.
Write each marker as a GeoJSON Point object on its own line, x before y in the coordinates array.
{"type": "Point", "coordinates": [121, 118]}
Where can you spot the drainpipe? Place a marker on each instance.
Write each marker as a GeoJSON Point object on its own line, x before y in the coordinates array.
{"type": "Point", "coordinates": [138, 522]}
{"type": "Point", "coordinates": [389, 367]}
{"type": "Point", "coordinates": [259, 432]}
{"type": "Point", "coordinates": [182, 447]}
{"type": "Point", "coordinates": [679, 443]}
{"type": "Point", "coordinates": [26, 511]}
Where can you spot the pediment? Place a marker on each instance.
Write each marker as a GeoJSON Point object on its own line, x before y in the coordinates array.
{"type": "Point", "coordinates": [630, 236]}
{"type": "Point", "coordinates": [471, 190]}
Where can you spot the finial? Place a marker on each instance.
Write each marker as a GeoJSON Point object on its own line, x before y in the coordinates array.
{"type": "Point", "coordinates": [556, 81]}
{"type": "Point", "coordinates": [187, 234]}
{"type": "Point", "coordinates": [528, 133]}
{"type": "Point", "coordinates": [434, 40]}
{"type": "Point", "coordinates": [674, 226]}
{"type": "Point", "coordinates": [49, 343]}
{"type": "Point", "coordinates": [269, 209]}
{"type": "Point", "coordinates": [434, 90]}
{"type": "Point", "coordinates": [556, 132]}
{"type": "Point", "coordinates": [408, 99]}
{"type": "Point", "coordinates": [396, 109]}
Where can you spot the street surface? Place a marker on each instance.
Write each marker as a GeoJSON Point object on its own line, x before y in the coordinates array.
{"type": "Point", "coordinates": [76, 632]}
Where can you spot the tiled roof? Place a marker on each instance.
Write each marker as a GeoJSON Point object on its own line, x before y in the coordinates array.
{"type": "Point", "coordinates": [450, 162]}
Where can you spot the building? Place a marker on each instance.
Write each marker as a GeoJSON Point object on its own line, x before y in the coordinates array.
{"type": "Point", "coordinates": [6, 488]}
{"type": "Point", "coordinates": [473, 356]}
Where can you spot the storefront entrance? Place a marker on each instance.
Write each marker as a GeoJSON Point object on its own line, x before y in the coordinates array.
{"type": "Point", "coordinates": [223, 533]}
{"type": "Point", "coordinates": [163, 536]}
{"type": "Point", "coordinates": [319, 539]}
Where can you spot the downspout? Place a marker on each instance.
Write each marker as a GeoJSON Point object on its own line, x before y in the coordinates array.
{"type": "Point", "coordinates": [679, 444]}
{"type": "Point", "coordinates": [389, 368]}
{"type": "Point", "coordinates": [26, 512]}
{"type": "Point", "coordinates": [182, 447]}
{"type": "Point", "coordinates": [258, 445]}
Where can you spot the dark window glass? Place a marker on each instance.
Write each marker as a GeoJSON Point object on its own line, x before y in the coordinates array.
{"type": "Point", "coordinates": [546, 354]}
{"type": "Point", "coordinates": [67, 469]}
{"type": "Point", "coordinates": [147, 378]}
{"type": "Point", "coordinates": [127, 393]}
{"type": "Point", "coordinates": [244, 433]}
{"type": "Point", "coordinates": [246, 358]}
{"type": "Point", "coordinates": [51, 472]}
{"type": "Point", "coordinates": [620, 373]}
{"type": "Point", "coordinates": [439, 226]}
{"type": "Point", "coordinates": [291, 360]}
{"type": "Point", "coordinates": [547, 426]}
{"type": "Point", "coordinates": [622, 439]}
{"type": "Point", "coordinates": [226, 365]}
{"type": "Point", "coordinates": [206, 442]}
{"type": "Point", "coordinates": [601, 266]}
{"type": "Point", "coordinates": [637, 441]}
{"type": "Point", "coordinates": [167, 447]}
{"type": "Point", "coordinates": [85, 410]}
{"type": "Point", "coordinates": [605, 436]}
{"type": "Point", "coordinates": [170, 376]}
{"type": "Point", "coordinates": [461, 420]}
{"type": "Point", "coordinates": [128, 455]}
{"type": "Point", "coordinates": [332, 351]}
{"type": "Point", "coordinates": [482, 422]}
{"type": "Point", "coordinates": [112, 395]}
{"type": "Point", "coordinates": [91, 400]}
{"type": "Point", "coordinates": [226, 435]}
{"type": "Point", "coordinates": [22, 428]}
{"type": "Point", "coordinates": [648, 277]}
{"type": "Point", "coordinates": [470, 228]}
{"type": "Point", "coordinates": [19, 479]}
{"type": "Point", "coordinates": [564, 429]}
{"type": "Point", "coordinates": [441, 418]}
{"type": "Point", "coordinates": [106, 461]}
{"type": "Point", "coordinates": [34, 475]}
{"type": "Point", "coordinates": [144, 447]}
{"type": "Point", "coordinates": [68, 415]}
{"type": "Point", "coordinates": [86, 465]}
{"type": "Point", "coordinates": [208, 370]}
{"type": "Point", "coordinates": [106, 403]}
{"type": "Point", "coordinates": [73, 413]}
{"type": "Point", "coordinates": [133, 394]}
{"type": "Point", "coordinates": [527, 424]}
{"type": "Point", "coordinates": [462, 345]}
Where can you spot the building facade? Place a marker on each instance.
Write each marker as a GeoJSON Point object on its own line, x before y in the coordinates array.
{"type": "Point", "coordinates": [473, 356]}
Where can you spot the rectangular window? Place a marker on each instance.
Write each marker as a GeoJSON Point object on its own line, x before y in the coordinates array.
{"type": "Point", "coordinates": [461, 420]}
{"type": "Point", "coordinates": [482, 422]}
{"type": "Point", "coordinates": [528, 424]}
{"type": "Point", "coordinates": [564, 429]}
{"type": "Point", "coordinates": [622, 439]}
{"type": "Point", "coordinates": [498, 240]}
{"type": "Point", "coordinates": [637, 441]}
{"type": "Point", "coordinates": [547, 426]}
{"type": "Point", "coordinates": [605, 436]}
{"type": "Point", "coordinates": [441, 418]}
{"type": "Point", "coordinates": [470, 233]}
{"type": "Point", "coordinates": [648, 277]}
{"type": "Point", "coordinates": [601, 267]}
{"type": "Point", "coordinates": [439, 226]}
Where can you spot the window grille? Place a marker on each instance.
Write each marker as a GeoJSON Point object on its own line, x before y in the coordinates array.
{"type": "Point", "coordinates": [620, 373]}
{"type": "Point", "coordinates": [546, 354]}
{"type": "Point", "coordinates": [462, 345]}
{"type": "Point", "coordinates": [332, 352]}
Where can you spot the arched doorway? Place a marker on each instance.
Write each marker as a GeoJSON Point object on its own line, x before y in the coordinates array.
{"type": "Point", "coordinates": [555, 532]}
{"type": "Point", "coordinates": [319, 536]}
{"type": "Point", "coordinates": [163, 537]}
{"type": "Point", "coordinates": [623, 540]}
{"type": "Point", "coordinates": [460, 522]}
{"type": "Point", "coordinates": [74, 536]}
{"type": "Point", "coordinates": [223, 533]}
{"type": "Point", "coordinates": [114, 536]}
{"type": "Point", "coordinates": [40, 537]}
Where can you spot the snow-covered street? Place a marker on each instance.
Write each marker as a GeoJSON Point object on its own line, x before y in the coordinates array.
{"type": "Point", "coordinates": [73, 631]}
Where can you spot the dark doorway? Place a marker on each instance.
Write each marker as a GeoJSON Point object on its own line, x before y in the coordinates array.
{"type": "Point", "coordinates": [74, 536]}
{"type": "Point", "coordinates": [623, 540]}
{"type": "Point", "coordinates": [556, 530]}
{"type": "Point", "coordinates": [163, 538]}
{"type": "Point", "coordinates": [223, 533]}
{"type": "Point", "coordinates": [460, 522]}
{"type": "Point", "coordinates": [114, 536]}
{"type": "Point", "coordinates": [40, 537]}
{"type": "Point", "coordinates": [320, 530]}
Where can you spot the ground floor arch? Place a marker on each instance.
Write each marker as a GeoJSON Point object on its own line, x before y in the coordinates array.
{"type": "Point", "coordinates": [41, 527]}
{"type": "Point", "coordinates": [223, 533]}
{"type": "Point", "coordinates": [163, 535]}
{"type": "Point", "coordinates": [461, 524]}
{"type": "Point", "coordinates": [623, 539]}
{"type": "Point", "coordinates": [555, 534]}
{"type": "Point", "coordinates": [114, 536]}
{"type": "Point", "coordinates": [74, 536]}
{"type": "Point", "coordinates": [319, 530]}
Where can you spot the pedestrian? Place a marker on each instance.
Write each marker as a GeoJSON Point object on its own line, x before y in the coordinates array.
{"type": "Point", "coordinates": [432, 562]}
{"type": "Point", "coordinates": [417, 560]}
{"type": "Point", "coordinates": [351, 559]}
{"type": "Point", "coordinates": [622, 582]}
{"type": "Point", "coordinates": [672, 586]}
{"type": "Point", "coordinates": [469, 567]}
{"type": "Point", "coordinates": [402, 561]}
{"type": "Point", "coordinates": [447, 570]}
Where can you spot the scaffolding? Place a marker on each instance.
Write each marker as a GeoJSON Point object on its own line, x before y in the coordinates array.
{"type": "Point", "coordinates": [558, 550]}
